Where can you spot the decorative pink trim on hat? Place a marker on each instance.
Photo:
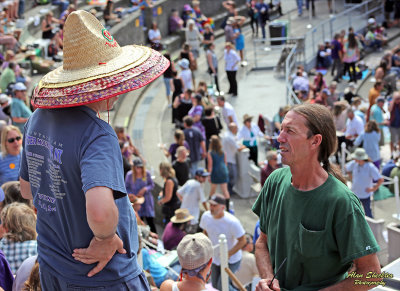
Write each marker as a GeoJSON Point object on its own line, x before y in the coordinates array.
{"type": "Point", "coordinates": [83, 94]}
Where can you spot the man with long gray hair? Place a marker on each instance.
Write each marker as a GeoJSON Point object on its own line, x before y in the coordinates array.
{"type": "Point", "coordinates": [311, 223]}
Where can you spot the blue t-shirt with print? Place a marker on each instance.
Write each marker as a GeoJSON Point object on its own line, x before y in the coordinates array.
{"type": "Point", "coordinates": [67, 152]}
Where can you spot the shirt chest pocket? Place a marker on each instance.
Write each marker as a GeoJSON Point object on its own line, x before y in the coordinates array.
{"type": "Point", "coordinates": [311, 243]}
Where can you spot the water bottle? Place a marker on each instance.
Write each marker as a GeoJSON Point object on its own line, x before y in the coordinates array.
{"type": "Point", "coordinates": [231, 207]}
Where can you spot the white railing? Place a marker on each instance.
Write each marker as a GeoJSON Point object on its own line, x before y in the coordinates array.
{"type": "Point", "coordinates": [290, 65]}
{"type": "Point", "coordinates": [388, 180]}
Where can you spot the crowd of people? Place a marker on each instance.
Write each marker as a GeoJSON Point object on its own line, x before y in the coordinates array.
{"type": "Point", "coordinates": [115, 187]}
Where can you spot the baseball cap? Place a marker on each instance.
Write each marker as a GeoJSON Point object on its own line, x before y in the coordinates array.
{"type": "Point", "coordinates": [194, 251]}
{"type": "Point", "coordinates": [19, 87]}
{"type": "Point", "coordinates": [202, 172]}
{"type": "Point", "coordinates": [380, 99]}
{"type": "Point", "coordinates": [217, 199]}
{"type": "Point", "coordinates": [137, 163]}
{"type": "Point", "coordinates": [4, 99]}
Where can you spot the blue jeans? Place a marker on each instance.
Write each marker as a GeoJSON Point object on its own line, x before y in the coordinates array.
{"type": "Point", "coordinates": [63, 4]}
{"type": "Point", "coordinates": [50, 282]}
{"type": "Point", "coordinates": [216, 275]}
{"type": "Point", "coordinates": [366, 203]}
{"type": "Point", "coordinates": [262, 24]}
{"type": "Point", "coordinates": [21, 8]}
{"type": "Point", "coordinates": [232, 171]}
{"type": "Point", "coordinates": [193, 167]}
{"type": "Point", "coordinates": [167, 82]}
{"type": "Point", "coordinates": [300, 6]}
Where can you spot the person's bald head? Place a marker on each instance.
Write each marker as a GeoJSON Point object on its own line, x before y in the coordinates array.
{"type": "Point", "coordinates": [233, 127]}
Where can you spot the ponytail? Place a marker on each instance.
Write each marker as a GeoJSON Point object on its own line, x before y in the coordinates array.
{"type": "Point", "coordinates": [334, 170]}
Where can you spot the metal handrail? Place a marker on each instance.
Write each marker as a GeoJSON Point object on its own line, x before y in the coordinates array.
{"type": "Point", "coordinates": [290, 61]}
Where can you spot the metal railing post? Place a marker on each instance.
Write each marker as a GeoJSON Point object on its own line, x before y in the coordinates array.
{"type": "Point", "coordinates": [343, 157]}
{"type": "Point", "coordinates": [350, 16]}
{"type": "Point", "coordinates": [396, 194]}
{"type": "Point", "coordinates": [255, 52]}
{"type": "Point", "coordinates": [313, 41]}
{"type": "Point", "coordinates": [223, 256]}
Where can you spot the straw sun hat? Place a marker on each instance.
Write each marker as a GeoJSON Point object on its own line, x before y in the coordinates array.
{"type": "Point", "coordinates": [182, 215]}
{"type": "Point", "coordinates": [95, 67]}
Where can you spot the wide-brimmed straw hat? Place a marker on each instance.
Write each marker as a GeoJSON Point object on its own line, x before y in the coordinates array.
{"type": "Point", "coordinates": [95, 67]}
{"type": "Point", "coordinates": [182, 215]}
{"type": "Point", "coordinates": [229, 44]}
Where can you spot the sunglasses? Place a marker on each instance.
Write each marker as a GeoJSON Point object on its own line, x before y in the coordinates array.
{"type": "Point", "coordinates": [11, 140]}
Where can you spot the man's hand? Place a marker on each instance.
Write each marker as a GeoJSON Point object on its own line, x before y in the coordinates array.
{"type": "Point", "coordinates": [264, 283]}
{"type": "Point", "coordinates": [100, 251]}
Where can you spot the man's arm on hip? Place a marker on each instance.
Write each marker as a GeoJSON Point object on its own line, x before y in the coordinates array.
{"type": "Point", "coordinates": [102, 217]}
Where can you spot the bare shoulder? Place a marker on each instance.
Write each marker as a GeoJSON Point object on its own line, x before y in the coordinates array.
{"type": "Point", "coordinates": [166, 285]}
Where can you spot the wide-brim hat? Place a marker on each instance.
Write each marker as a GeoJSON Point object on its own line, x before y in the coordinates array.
{"type": "Point", "coordinates": [184, 63]}
{"type": "Point", "coordinates": [182, 215]}
{"type": "Point", "coordinates": [247, 117]}
{"type": "Point", "coordinates": [359, 154]}
{"type": "Point", "coordinates": [95, 67]}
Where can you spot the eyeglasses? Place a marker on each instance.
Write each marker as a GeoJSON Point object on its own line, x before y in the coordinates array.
{"type": "Point", "coordinates": [11, 140]}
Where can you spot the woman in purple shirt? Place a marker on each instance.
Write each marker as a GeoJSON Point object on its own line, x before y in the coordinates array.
{"type": "Point", "coordinates": [138, 183]}
{"type": "Point", "coordinates": [196, 112]}
{"type": "Point", "coordinates": [179, 141]}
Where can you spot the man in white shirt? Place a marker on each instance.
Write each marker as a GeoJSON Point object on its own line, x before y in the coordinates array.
{"type": "Point", "coordinates": [228, 113]}
{"type": "Point", "coordinates": [217, 221]}
{"type": "Point", "coordinates": [232, 61]}
{"type": "Point", "coordinates": [354, 126]}
{"type": "Point", "coordinates": [192, 193]}
{"type": "Point", "coordinates": [231, 146]}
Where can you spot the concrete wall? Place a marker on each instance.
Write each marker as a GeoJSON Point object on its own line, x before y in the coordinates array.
{"type": "Point", "coordinates": [129, 31]}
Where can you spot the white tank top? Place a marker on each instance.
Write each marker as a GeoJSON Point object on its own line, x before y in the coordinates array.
{"type": "Point", "coordinates": [175, 287]}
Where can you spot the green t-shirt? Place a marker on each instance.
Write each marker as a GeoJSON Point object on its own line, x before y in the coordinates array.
{"type": "Point", "coordinates": [7, 77]}
{"type": "Point", "coordinates": [320, 232]}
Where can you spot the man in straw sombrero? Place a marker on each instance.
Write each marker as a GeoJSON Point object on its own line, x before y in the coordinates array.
{"type": "Point", "coordinates": [72, 165]}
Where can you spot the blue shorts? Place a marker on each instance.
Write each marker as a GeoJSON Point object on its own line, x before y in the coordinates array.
{"type": "Point", "coordinates": [51, 283]}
